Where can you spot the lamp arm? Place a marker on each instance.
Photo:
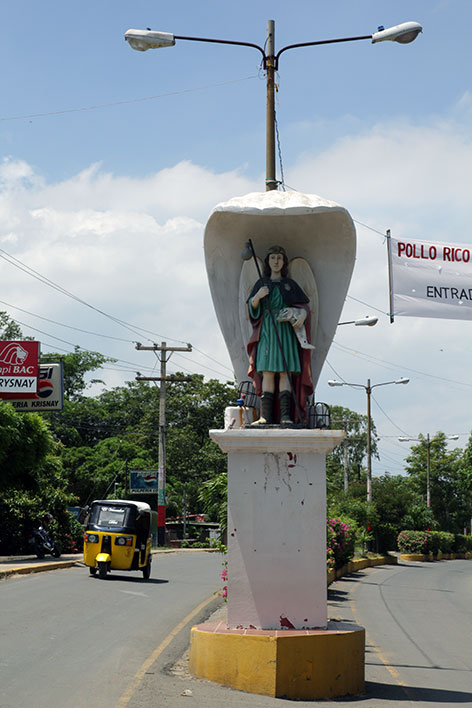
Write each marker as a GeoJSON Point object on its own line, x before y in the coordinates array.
{"type": "Point", "coordinates": [313, 44]}
{"type": "Point", "coordinates": [385, 383]}
{"type": "Point", "coordinates": [224, 41]}
{"type": "Point", "coordinates": [354, 385]}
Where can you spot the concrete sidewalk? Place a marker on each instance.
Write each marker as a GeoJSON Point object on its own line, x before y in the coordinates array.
{"type": "Point", "coordinates": [21, 565]}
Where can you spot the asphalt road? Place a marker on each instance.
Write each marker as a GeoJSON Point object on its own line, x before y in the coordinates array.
{"type": "Point", "coordinates": [71, 640]}
{"type": "Point", "coordinates": [418, 618]}
{"type": "Point", "coordinates": [74, 641]}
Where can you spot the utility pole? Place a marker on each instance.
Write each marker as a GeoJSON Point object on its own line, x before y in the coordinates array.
{"type": "Point", "coordinates": [428, 471]}
{"type": "Point", "coordinates": [346, 442]}
{"type": "Point", "coordinates": [165, 354]}
{"type": "Point", "coordinates": [346, 466]}
{"type": "Point", "coordinates": [368, 390]}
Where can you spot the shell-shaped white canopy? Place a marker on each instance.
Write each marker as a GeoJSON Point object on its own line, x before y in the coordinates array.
{"type": "Point", "coordinates": [307, 226]}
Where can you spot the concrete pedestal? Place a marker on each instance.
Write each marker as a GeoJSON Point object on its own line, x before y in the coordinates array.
{"type": "Point", "coordinates": [277, 526]}
{"type": "Point", "coordinates": [277, 640]}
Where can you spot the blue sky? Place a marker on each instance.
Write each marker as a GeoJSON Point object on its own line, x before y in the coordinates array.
{"type": "Point", "coordinates": [111, 161]}
{"type": "Point", "coordinates": [64, 56]}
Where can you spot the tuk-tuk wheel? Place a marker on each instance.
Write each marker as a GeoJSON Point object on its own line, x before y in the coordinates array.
{"type": "Point", "coordinates": [147, 569]}
{"type": "Point", "coordinates": [102, 570]}
{"type": "Point", "coordinates": [93, 571]}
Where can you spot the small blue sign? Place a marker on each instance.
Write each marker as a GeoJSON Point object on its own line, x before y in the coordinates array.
{"type": "Point", "coordinates": [143, 481]}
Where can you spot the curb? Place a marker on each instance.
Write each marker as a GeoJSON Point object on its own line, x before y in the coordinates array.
{"type": "Point", "coordinates": [356, 565]}
{"type": "Point", "coordinates": [429, 557]}
{"type": "Point", "coordinates": [54, 565]}
{"type": "Point", "coordinates": [37, 568]}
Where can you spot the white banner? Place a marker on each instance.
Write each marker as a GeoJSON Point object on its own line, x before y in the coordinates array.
{"type": "Point", "coordinates": [430, 279]}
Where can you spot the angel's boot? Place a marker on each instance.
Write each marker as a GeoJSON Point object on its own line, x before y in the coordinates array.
{"type": "Point", "coordinates": [285, 398]}
{"type": "Point", "coordinates": [267, 407]}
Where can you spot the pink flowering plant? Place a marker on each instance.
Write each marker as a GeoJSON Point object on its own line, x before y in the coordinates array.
{"type": "Point", "coordinates": [414, 541]}
{"type": "Point", "coordinates": [340, 541]}
{"type": "Point", "coordinates": [224, 577]}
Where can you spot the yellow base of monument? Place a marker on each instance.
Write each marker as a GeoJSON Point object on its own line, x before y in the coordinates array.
{"type": "Point", "coordinates": [294, 664]}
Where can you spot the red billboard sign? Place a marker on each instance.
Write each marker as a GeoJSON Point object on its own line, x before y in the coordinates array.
{"type": "Point", "coordinates": [19, 367]}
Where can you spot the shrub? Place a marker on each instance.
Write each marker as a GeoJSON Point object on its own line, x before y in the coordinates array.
{"type": "Point", "coordinates": [414, 541]}
{"type": "Point", "coordinates": [446, 541]}
{"type": "Point", "coordinates": [462, 544]}
{"type": "Point", "coordinates": [340, 541]}
{"type": "Point", "coordinates": [441, 541]}
{"type": "Point", "coordinates": [69, 534]}
{"type": "Point", "coordinates": [435, 542]}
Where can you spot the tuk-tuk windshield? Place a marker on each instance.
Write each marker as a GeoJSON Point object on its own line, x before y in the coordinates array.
{"type": "Point", "coordinates": [110, 516]}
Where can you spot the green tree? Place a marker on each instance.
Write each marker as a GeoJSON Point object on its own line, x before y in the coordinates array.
{"type": "Point", "coordinates": [400, 506]}
{"type": "Point", "coordinates": [31, 479]}
{"type": "Point", "coordinates": [94, 471]}
{"type": "Point", "coordinates": [9, 329]}
{"type": "Point", "coordinates": [77, 365]}
{"type": "Point", "coordinates": [25, 442]}
{"type": "Point", "coordinates": [352, 451]}
{"type": "Point", "coordinates": [462, 512]}
{"type": "Point", "coordinates": [445, 480]}
{"type": "Point", "coordinates": [214, 497]}
{"type": "Point", "coordinates": [122, 426]}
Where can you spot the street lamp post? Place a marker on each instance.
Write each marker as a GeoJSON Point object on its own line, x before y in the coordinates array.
{"type": "Point", "coordinates": [141, 40]}
{"type": "Point", "coordinates": [368, 389]}
{"type": "Point", "coordinates": [427, 440]}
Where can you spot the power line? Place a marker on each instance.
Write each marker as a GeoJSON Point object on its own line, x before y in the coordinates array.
{"type": "Point", "coordinates": [62, 324]}
{"type": "Point", "coordinates": [390, 365]}
{"type": "Point", "coordinates": [382, 312]}
{"type": "Point", "coordinates": [46, 281]}
{"type": "Point", "coordinates": [125, 102]}
{"type": "Point", "coordinates": [388, 417]}
{"type": "Point", "coordinates": [212, 359]}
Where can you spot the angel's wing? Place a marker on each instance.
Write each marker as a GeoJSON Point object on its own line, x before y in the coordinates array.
{"type": "Point", "coordinates": [249, 276]}
{"type": "Point", "coordinates": [301, 272]}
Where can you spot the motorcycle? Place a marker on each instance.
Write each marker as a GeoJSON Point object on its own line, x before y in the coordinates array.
{"type": "Point", "coordinates": [42, 543]}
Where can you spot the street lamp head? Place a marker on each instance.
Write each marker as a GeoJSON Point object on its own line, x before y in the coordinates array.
{"type": "Point", "coordinates": [141, 40]}
{"type": "Point", "coordinates": [366, 321]}
{"type": "Point", "coordinates": [403, 34]}
{"type": "Point", "coordinates": [453, 437]}
{"type": "Point", "coordinates": [362, 322]}
{"type": "Point", "coordinates": [402, 381]}
{"type": "Point", "coordinates": [403, 439]}
{"type": "Point", "coordinates": [332, 382]}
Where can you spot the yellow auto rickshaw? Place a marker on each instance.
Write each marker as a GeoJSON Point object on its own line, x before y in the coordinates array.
{"type": "Point", "coordinates": [118, 537]}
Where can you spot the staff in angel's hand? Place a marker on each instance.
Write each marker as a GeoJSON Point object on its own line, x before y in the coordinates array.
{"type": "Point", "coordinates": [278, 359]}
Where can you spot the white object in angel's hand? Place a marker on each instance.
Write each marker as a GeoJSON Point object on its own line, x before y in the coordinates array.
{"type": "Point", "coordinates": [296, 316]}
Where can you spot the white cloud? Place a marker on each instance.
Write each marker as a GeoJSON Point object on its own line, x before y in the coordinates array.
{"type": "Point", "coordinates": [413, 179]}
{"type": "Point", "coordinates": [133, 247]}
{"type": "Point", "coordinates": [399, 165]}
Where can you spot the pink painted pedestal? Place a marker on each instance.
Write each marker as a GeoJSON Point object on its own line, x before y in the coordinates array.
{"type": "Point", "coordinates": [277, 526]}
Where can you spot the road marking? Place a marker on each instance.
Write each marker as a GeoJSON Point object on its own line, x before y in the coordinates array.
{"type": "Point", "coordinates": [137, 594]}
{"type": "Point", "coordinates": [139, 675]}
{"type": "Point", "coordinates": [391, 669]}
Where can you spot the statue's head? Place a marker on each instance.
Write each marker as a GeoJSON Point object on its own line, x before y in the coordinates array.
{"type": "Point", "coordinates": [275, 249]}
